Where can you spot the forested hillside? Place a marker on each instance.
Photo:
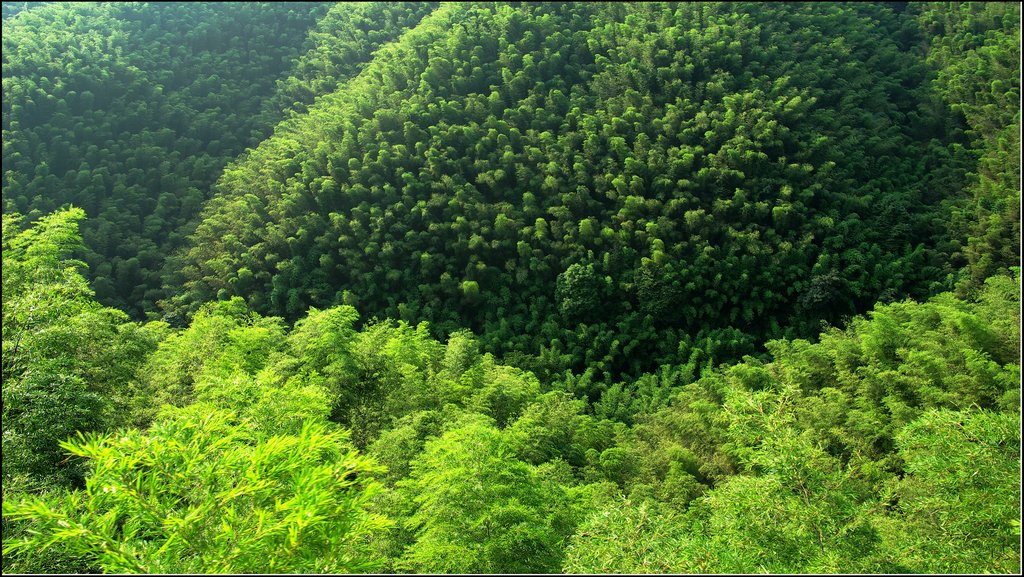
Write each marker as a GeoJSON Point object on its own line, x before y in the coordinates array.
{"type": "Point", "coordinates": [511, 288]}
{"type": "Point", "coordinates": [132, 110]}
{"type": "Point", "coordinates": [609, 186]}
{"type": "Point", "coordinates": [976, 50]}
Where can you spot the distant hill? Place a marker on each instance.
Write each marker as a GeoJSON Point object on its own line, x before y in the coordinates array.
{"type": "Point", "coordinates": [131, 111]}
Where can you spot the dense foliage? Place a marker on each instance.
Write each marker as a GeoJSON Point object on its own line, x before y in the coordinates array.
{"type": "Point", "coordinates": [131, 111]}
{"type": "Point", "coordinates": [976, 48]}
{"type": "Point", "coordinates": [601, 186]}
{"type": "Point", "coordinates": [827, 456]}
{"type": "Point", "coordinates": [538, 288]}
{"type": "Point", "coordinates": [12, 8]}
{"type": "Point", "coordinates": [68, 362]}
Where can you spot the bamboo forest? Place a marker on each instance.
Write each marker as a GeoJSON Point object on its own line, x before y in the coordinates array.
{"type": "Point", "coordinates": [511, 287]}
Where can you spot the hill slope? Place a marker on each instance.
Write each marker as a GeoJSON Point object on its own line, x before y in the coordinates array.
{"type": "Point", "coordinates": [131, 111]}
{"type": "Point", "coordinates": [596, 184]}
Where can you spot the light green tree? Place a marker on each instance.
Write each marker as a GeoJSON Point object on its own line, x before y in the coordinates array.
{"type": "Point", "coordinates": [479, 510]}
{"type": "Point", "coordinates": [68, 362]}
{"type": "Point", "coordinates": [957, 510]}
{"type": "Point", "coordinates": [201, 493]}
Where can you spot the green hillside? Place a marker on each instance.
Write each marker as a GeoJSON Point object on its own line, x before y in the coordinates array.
{"type": "Point", "coordinates": [131, 111]}
{"type": "Point", "coordinates": [604, 186]}
{"type": "Point", "coordinates": [511, 288]}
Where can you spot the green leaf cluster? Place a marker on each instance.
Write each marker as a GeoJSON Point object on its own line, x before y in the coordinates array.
{"type": "Point", "coordinates": [201, 493]}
